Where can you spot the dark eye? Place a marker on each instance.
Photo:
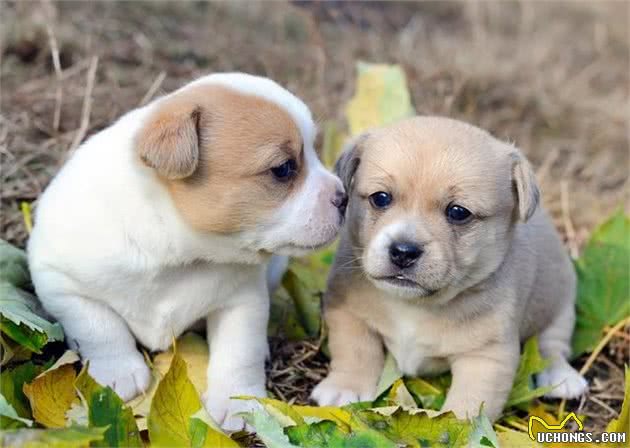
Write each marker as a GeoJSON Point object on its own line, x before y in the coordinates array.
{"type": "Point", "coordinates": [380, 199]}
{"type": "Point", "coordinates": [457, 214]}
{"type": "Point", "coordinates": [285, 171]}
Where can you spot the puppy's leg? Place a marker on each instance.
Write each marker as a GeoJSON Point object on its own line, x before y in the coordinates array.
{"type": "Point", "coordinates": [104, 340]}
{"type": "Point", "coordinates": [555, 345]}
{"type": "Point", "coordinates": [237, 336]}
{"type": "Point", "coordinates": [356, 361]}
{"type": "Point", "coordinates": [484, 376]}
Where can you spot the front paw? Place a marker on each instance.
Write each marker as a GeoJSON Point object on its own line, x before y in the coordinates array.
{"type": "Point", "coordinates": [566, 382]}
{"type": "Point", "coordinates": [340, 389]}
{"type": "Point", "coordinates": [224, 410]}
{"type": "Point", "coordinates": [127, 375]}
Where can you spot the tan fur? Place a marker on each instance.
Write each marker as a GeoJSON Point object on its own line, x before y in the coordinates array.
{"type": "Point", "coordinates": [199, 140]}
{"type": "Point", "coordinates": [483, 287]}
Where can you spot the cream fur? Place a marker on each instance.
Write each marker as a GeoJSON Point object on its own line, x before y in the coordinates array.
{"type": "Point", "coordinates": [480, 288]}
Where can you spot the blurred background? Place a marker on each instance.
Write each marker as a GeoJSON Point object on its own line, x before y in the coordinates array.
{"type": "Point", "coordinates": [553, 77]}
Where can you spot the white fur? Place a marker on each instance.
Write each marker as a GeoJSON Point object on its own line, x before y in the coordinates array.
{"type": "Point", "coordinates": [113, 261]}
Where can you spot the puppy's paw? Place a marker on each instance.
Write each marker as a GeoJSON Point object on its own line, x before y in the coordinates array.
{"type": "Point", "coordinates": [339, 390]}
{"type": "Point", "coordinates": [565, 380]}
{"type": "Point", "coordinates": [224, 410]}
{"type": "Point", "coordinates": [128, 375]}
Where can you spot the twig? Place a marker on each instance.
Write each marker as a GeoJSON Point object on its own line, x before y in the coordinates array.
{"type": "Point", "coordinates": [87, 105]}
{"type": "Point", "coordinates": [591, 359]}
{"type": "Point", "coordinates": [604, 405]}
{"type": "Point", "coordinates": [54, 50]}
{"type": "Point", "coordinates": [154, 88]}
{"type": "Point", "coordinates": [566, 218]}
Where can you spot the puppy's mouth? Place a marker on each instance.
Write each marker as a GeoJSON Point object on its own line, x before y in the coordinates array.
{"type": "Point", "coordinates": [401, 281]}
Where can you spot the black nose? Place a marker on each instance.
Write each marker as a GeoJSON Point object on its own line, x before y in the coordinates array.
{"type": "Point", "coordinates": [403, 254]}
{"type": "Point", "coordinates": [340, 201]}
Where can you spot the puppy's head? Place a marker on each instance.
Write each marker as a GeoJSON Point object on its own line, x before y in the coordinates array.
{"type": "Point", "coordinates": [433, 203]}
{"type": "Point", "coordinates": [236, 154]}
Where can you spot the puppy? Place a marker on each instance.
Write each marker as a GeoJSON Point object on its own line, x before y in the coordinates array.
{"type": "Point", "coordinates": [171, 215]}
{"type": "Point", "coordinates": [446, 260]}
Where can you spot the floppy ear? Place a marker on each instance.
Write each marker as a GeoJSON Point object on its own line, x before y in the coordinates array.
{"type": "Point", "coordinates": [169, 140]}
{"type": "Point", "coordinates": [525, 186]}
{"type": "Point", "coordinates": [348, 162]}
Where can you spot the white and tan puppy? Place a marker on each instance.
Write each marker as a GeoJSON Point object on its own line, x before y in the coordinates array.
{"type": "Point", "coordinates": [447, 261]}
{"type": "Point", "coordinates": [171, 215]}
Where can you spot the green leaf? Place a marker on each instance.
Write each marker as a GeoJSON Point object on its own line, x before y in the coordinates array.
{"type": "Point", "coordinates": [20, 320]}
{"type": "Point", "coordinates": [418, 429]}
{"type": "Point", "coordinates": [307, 298]}
{"type": "Point", "coordinates": [106, 409]}
{"type": "Point", "coordinates": [11, 383]}
{"type": "Point", "coordinates": [431, 395]}
{"type": "Point", "coordinates": [381, 97]}
{"type": "Point", "coordinates": [390, 374]}
{"type": "Point", "coordinates": [13, 265]}
{"type": "Point", "coordinates": [483, 434]}
{"type": "Point", "coordinates": [531, 363]}
{"type": "Point", "coordinates": [6, 410]}
{"type": "Point", "coordinates": [603, 282]}
{"type": "Point", "coordinates": [174, 404]}
{"type": "Point", "coordinates": [268, 429]}
{"type": "Point", "coordinates": [74, 437]}
{"type": "Point", "coordinates": [326, 434]}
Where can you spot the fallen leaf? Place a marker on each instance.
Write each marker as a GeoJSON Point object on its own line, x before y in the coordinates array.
{"type": "Point", "coordinates": [267, 428]}
{"type": "Point", "coordinates": [419, 429]}
{"type": "Point", "coordinates": [523, 390]}
{"type": "Point", "coordinates": [381, 97]}
{"type": "Point", "coordinates": [11, 386]}
{"type": "Point", "coordinates": [51, 395]}
{"type": "Point", "coordinates": [326, 434]}
{"type": "Point", "coordinates": [173, 418]}
{"type": "Point", "coordinates": [6, 410]}
{"type": "Point", "coordinates": [75, 437]}
{"type": "Point", "coordinates": [603, 282]}
{"type": "Point", "coordinates": [106, 409]}
{"type": "Point", "coordinates": [391, 373]}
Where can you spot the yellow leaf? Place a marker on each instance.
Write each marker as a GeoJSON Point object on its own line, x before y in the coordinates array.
{"type": "Point", "coordinates": [381, 97]}
{"type": "Point", "coordinates": [174, 419]}
{"type": "Point", "coordinates": [193, 349]}
{"type": "Point", "coordinates": [51, 395]}
{"type": "Point", "coordinates": [297, 413]}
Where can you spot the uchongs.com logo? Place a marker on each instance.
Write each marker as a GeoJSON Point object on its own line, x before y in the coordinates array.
{"type": "Point", "coordinates": [556, 433]}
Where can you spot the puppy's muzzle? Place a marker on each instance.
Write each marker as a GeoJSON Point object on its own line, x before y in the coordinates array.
{"type": "Point", "coordinates": [404, 254]}
{"type": "Point", "coordinates": [340, 201]}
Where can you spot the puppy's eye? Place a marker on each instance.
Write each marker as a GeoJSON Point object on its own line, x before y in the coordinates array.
{"type": "Point", "coordinates": [380, 199]}
{"type": "Point", "coordinates": [285, 171]}
{"type": "Point", "coordinates": [456, 214]}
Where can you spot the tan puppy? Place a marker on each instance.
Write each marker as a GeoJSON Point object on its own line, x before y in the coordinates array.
{"type": "Point", "coordinates": [447, 261]}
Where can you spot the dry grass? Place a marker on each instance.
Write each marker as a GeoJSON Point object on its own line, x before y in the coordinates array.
{"type": "Point", "coordinates": [553, 77]}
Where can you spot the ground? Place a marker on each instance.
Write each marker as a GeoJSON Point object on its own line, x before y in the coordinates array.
{"type": "Point", "coordinates": [551, 77]}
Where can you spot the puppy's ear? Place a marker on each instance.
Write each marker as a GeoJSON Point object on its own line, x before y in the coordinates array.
{"type": "Point", "coordinates": [348, 162]}
{"type": "Point", "coordinates": [525, 186]}
{"type": "Point", "coordinates": [169, 140]}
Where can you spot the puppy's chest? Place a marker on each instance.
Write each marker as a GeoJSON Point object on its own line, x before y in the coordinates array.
{"type": "Point", "coordinates": [422, 342]}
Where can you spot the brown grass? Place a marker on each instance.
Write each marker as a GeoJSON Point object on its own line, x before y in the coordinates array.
{"type": "Point", "coordinates": [551, 76]}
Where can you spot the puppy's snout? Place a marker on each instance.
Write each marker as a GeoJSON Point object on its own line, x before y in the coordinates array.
{"type": "Point", "coordinates": [404, 254]}
{"type": "Point", "coordinates": [340, 201]}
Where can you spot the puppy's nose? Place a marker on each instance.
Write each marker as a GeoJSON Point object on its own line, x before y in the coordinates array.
{"type": "Point", "coordinates": [340, 201]}
{"type": "Point", "coordinates": [404, 254]}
